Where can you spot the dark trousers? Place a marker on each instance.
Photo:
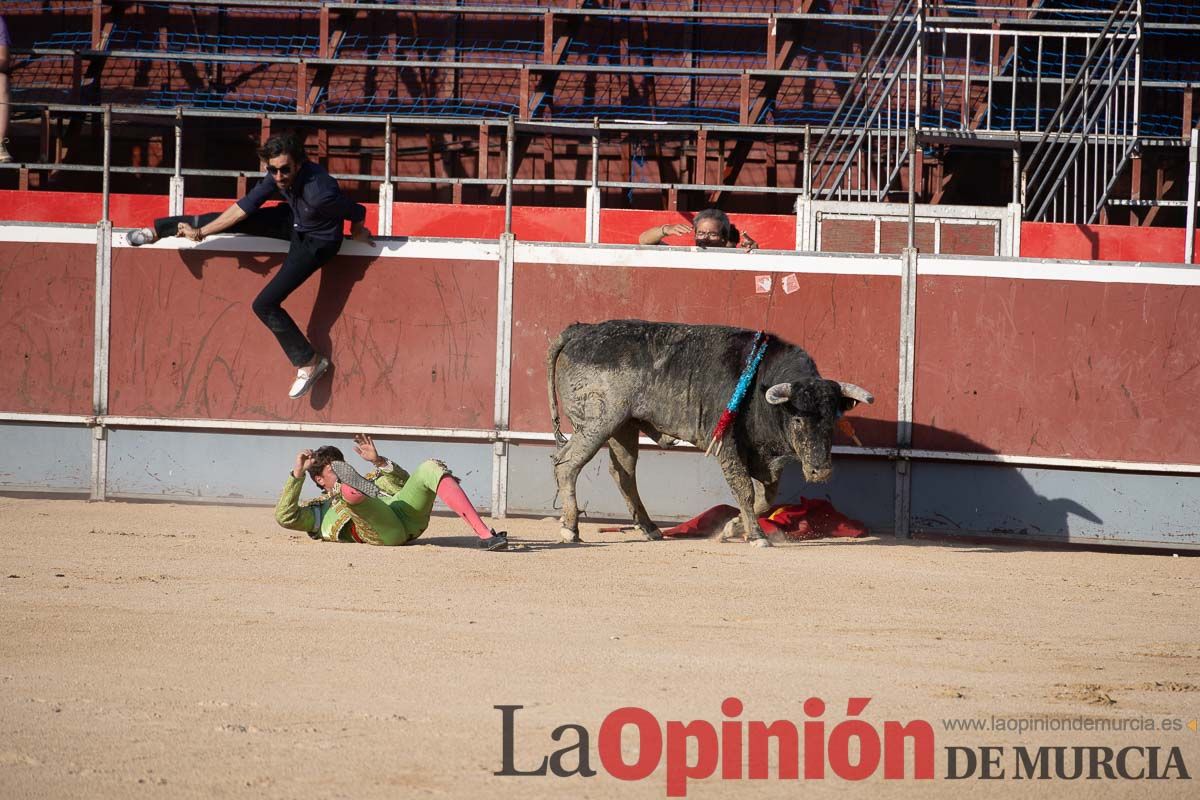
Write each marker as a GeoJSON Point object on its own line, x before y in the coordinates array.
{"type": "Point", "coordinates": [305, 256]}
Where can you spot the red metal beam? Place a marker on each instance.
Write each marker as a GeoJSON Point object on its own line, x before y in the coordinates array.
{"type": "Point", "coordinates": [553, 50]}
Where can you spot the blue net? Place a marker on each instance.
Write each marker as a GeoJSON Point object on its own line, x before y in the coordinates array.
{"type": "Point", "coordinates": [130, 38]}
{"type": "Point", "coordinates": [421, 107]}
{"type": "Point", "coordinates": [221, 101]}
{"type": "Point", "coordinates": [1171, 12]}
{"type": "Point", "coordinates": [649, 113]}
{"type": "Point", "coordinates": [428, 48]}
{"type": "Point", "coordinates": [1170, 56]}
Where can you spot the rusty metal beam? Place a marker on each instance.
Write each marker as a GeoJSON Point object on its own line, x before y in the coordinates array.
{"type": "Point", "coordinates": [783, 44]}
{"type": "Point", "coordinates": [554, 49]}
{"type": "Point", "coordinates": [332, 34]}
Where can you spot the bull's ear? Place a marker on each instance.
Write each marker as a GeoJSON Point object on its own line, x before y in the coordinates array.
{"type": "Point", "coordinates": [779, 393]}
{"type": "Point", "coordinates": [852, 395]}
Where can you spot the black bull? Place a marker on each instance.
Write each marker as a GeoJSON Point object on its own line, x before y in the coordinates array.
{"type": "Point", "coordinates": [671, 381]}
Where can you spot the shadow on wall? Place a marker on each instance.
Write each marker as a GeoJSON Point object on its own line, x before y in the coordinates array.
{"type": "Point", "coordinates": [1093, 237]}
{"type": "Point", "coordinates": [964, 498]}
{"type": "Point", "coordinates": [337, 281]}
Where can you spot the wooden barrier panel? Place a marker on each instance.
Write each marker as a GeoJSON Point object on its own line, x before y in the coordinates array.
{"type": "Point", "coordinates": [1103, 242]}
{"type": "Point", "coordinates": [412, 336]}
{"type": "Point", "coordinates": [1059, 365]}
{"type": "Point", "coordinates": [47, 322]}
{"type": "Point", "coordinates": [1056, 360]}
{"type": "Point", "coordinates": [848, 322]}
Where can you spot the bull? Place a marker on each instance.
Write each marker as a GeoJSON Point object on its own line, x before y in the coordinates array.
{"type": "Point", "coordinates": [671, 381]}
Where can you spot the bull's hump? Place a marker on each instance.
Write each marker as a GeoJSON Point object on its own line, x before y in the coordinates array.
{"type": "Point", "coordinates": [632, 341]}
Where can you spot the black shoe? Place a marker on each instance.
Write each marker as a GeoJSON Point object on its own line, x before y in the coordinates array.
{"type": "Point", "coordinates": [349, 476]}
{"type": "Point", "coordinates": [497, 541]}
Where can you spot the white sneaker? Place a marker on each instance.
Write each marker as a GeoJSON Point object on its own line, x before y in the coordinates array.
{"type": "Point", "coordinates": [4, 156]}
{"type": "Point", "coordinates": [142, 236]}
{"type": "Point", "coordinates": [307, 376]}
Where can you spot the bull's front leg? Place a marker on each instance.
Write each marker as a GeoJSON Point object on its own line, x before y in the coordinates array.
{"type": "Point", "coordinates": [740, 482]}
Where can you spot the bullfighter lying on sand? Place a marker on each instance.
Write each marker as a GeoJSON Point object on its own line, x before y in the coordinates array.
{"type": "Point", "coordinates": [388, 506]}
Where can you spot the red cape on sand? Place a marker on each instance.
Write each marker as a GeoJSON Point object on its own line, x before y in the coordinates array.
{"type": "Point", "coordinates": [808, 519]}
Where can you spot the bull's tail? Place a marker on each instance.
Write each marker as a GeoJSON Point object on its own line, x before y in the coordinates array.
{"type": "Point", "coordinates": [551, 366]}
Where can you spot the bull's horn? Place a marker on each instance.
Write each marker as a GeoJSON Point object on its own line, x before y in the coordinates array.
{"type": "Point", "coordinates": [779, 393]}
{"type": "Point", "coordinates": [856, 393]}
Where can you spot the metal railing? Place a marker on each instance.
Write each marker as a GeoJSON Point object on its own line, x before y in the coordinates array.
{"type": "Point", "coordinates": [923, 71]}
{"type": "Point", "coordinates": [1094, 131]}
{"type": "Point", "coordinates": [861, 152]}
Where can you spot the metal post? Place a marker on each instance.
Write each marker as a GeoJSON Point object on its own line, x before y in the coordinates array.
{"type": "Point", "coordinates": [595, 151]}
{"type": "Point", "coordinates": [919, 88]}
{"type": "Point", "coordinates": [1137, 73]}
{"type": "Point", "coordinates": [1016, 172]}
{"type": "Point", "coordinates": [107, 162]}
{"type": "Point", "coordinates": [904, 409]}
{"type": "Point", "coordinates": [386, 189]}
{"type": "Point", "coordinates": [175, 202]}
{"type": "Point", "coordinates": [510, 135]}
{"type": "Point", "coordinates": [1189, 244]}
{"type": "Point", "coordinates": [504, 315]}
{"type": "Point", "coordinates": [808, 161]}
{"type": "Point", "coordinates": [912, 188]}
{"type": "Point", "coordinates": [101, 325]}
{"type": "Point", "coordinates": [903, 505]}
{"type": "Point", "coordinates": [592, 222]}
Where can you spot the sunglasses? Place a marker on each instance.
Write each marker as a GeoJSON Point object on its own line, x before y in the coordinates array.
{"type": "Point", "coordinates": [284, 170]}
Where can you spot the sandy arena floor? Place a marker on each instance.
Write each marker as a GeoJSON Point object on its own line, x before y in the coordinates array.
{"type": "Point", "coordinates": [181, 651]}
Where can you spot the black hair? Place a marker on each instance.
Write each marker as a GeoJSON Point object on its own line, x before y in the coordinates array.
{"type": "Point", "coordinates": [729, 232]}
{"type": "Point", "coordinates": [322, 457]}
{"type": "Point", "coordinates": [286, 143]}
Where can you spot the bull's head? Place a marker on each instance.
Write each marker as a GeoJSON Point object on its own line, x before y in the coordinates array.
{"type": "Point", "coordinates": [813, 406]}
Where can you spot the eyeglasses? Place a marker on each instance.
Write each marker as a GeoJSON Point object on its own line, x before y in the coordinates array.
{"type": "Point", "coordinates": [284, 170]}
{"type": "Point", "coordinates": [713, 236]}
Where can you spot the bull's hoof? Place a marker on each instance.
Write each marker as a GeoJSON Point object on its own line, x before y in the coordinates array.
{"type": "Point", "coordinates": [732, 530]}
{"type": "Point", "coordinates": [761, 541]}
{"type": "Point", "coordinates": [651, 534]}
{"type": "Point", "coordinates": [569, 536]}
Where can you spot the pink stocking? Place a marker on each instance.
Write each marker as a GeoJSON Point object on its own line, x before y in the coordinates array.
{"type": "Point", "coordinates": [351, 495]}
{"type": "Point", "coordinates": [450, 493]}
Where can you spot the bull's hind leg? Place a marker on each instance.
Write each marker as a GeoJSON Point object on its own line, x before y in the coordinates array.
{"type": "Point", "coordinates": [623, 453]}
{"type": "Point", "coordinates": [568, 462]}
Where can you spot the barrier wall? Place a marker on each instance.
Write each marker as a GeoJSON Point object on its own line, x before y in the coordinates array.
{"type": "Point", "coordinates": [412, 334]}
{"type": "Point", "coordinates": [1103, 242]}
{"type": "Point", "coordinates": [848, 232]}
{"type": "Point", "coordinates": [463, 220]}
{"type": "Point", "coordinates": [843, 309]}
{"type": "Point", "coordinates": [1059, 360]}
{"type": "Point", "coordinates": [47, 313]}
{"type": "Point", "coordinates": [1049, 400]}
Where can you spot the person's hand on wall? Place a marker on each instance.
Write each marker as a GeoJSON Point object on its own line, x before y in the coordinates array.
{"type": "Point", "coordinates": [188, 232]}
{"type": "Point", "coordinates": [747, 243]}
{"type": "Point", "coordinates": [360, 233]}
{"type": "Point", "coordinates": [656, 234]}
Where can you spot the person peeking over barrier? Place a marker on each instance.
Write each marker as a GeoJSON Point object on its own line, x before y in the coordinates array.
{"type": "Point", "coordinates": [387, 506]}
{"type": "Point", "coordinates": [711, 228]}
{"type": "Point", "coordinates": [311, 220]}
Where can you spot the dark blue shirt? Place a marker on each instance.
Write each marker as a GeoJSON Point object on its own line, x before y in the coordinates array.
{"type": "Point", "coordinates": [318, 205]}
